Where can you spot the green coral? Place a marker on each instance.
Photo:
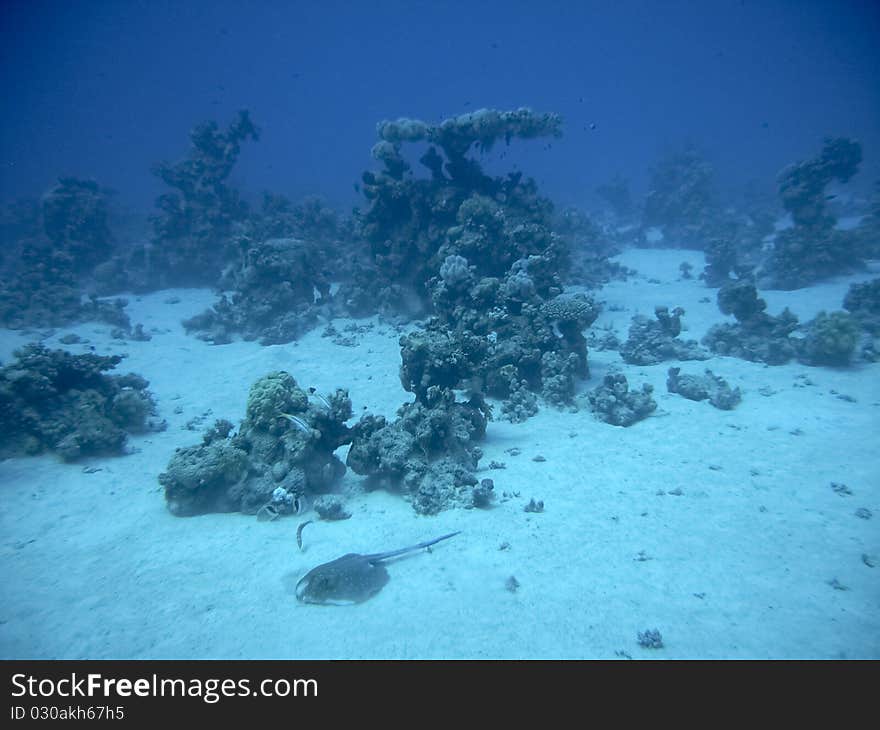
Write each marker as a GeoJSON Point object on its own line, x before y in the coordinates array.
{"type": "Point", "coordinates": [272, 396]}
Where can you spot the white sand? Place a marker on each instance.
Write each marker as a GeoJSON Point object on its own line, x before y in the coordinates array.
{"type": "Point", "coordinates": [740, 564]}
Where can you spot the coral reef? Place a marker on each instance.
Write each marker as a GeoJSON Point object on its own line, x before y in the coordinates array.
{"type": "Point", "coordinates": [283, 450]}
{"type": "Point", "coordinates": [830, 339]}
{"type": "Point", "coordinates": [734, 243]}
{"type": "Point", "coordinates": [75, 222]}
{"type": "Point", "coordinates": [504, 337]}
{"type": "Point", "coordinates": [51, 400]}
{"type": "Point", "coordinates": [429, 452]}
{"type": "Point", "coordinates": [813, 249]}
{"type": "Point", "coordinates": [721, 260]}
{"type": "Point", "coordinates": [520, 403]}
{"type": "Point", "coordinates": [868, 232]}
{"type": "Point", "coordinates": [275, 286]}
{"type": "Point", "coordinates": [195, 229]}
{"type": "Point", "coordinates": [709, 387]}
{"type": "Point", "coordinates": [614, 403]}
{"type": "Point", "coordinates": [756, 336]}
{"type": "Point", "coordinates": [55, 245]}
{"type": "Point", "coordinates": [652, 341]}
{"type": "Point", "coordinates": [680, 201]}
{"type": "Point", "coordinates": [279, 284]}
{"type": "Point", "coordinates": [413, 224]}
{"type": "Point", "coordinates": [863, 302]}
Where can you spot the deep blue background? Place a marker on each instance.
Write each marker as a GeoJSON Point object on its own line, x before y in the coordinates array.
{"type": "Point", "coordinates": [103, 89]}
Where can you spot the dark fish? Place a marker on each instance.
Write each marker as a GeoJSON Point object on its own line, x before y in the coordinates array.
{"type": "Point", "coordinates": [353, 578]}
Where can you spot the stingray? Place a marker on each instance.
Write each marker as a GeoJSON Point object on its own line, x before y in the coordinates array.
{"type": "Point", "coordinates": [353, 578]}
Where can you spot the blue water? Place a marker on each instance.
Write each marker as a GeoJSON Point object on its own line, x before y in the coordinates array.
{"type": "Point", "coordinates": [686, 532]}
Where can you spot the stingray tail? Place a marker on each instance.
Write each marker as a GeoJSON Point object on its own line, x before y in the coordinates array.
{"type": "Point", "coordinates": [411, 548]}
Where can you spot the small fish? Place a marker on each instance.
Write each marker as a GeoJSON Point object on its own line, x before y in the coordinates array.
{"type": "Point", "coordinates": [316, 394]}
{"type": "Point", "coordinates": [296, 421]}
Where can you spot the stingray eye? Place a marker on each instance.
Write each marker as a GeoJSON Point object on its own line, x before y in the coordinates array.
{"type": "Point", "coordinates": [325, 582]}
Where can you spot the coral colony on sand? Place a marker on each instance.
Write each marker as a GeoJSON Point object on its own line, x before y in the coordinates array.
{"type": "Point", "coordinates": [479, 267]}
{"type": "Point", "coordinates": [51, 400]}
{"type": "Point", "coordinates": [813, 249]}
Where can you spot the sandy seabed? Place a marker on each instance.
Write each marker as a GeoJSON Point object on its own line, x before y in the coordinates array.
{"type": "Point", "coordinates": [718, 528]}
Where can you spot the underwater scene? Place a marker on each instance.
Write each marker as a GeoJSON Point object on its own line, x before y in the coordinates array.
{"type": "Point", "coordinates": [440, 330]}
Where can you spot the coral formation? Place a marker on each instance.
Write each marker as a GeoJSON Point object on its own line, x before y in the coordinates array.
{"type": "Point", "coordinates": [813, 248]}
{"type": "Point", "coordinates": [756, 336]}
{"type": "Point", "coordinates": [863, 302]}
{"type": "Point", "coordinates": [614, 403]}
{"type": "Point", "coordinates": [283, 450]}
{"type": "Point", "coordinates": [652, 341]}
{"type": "Point", "coordinates": [55, 245]}
{"type": "Point", "coordinates": [412, 225]}
{"type": "Point", "coordinates": [680, 201]}
{"type": "Point", "coordinates": [275, 286]}
{"type": "Point", "coordinates": [195, 228]}
{"type": "Point", "coordinates": [506, 338]}
{"type": "Point", "coordinates": [709, 387]}
{"type": "Point", "coordinates": [830, 339]}
{"type": "Point", "coordinates": [51, 400]}
{"type": "Point", "coordinates": [279, 282]}
{"type": "Point", "coordinates": [429, 452]}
